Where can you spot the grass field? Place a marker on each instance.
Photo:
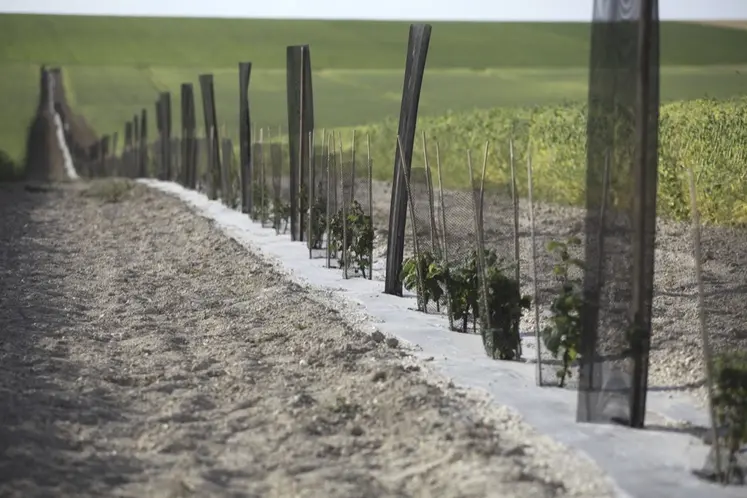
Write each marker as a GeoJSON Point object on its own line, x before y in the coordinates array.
{"type": "Point", "coordinates": [115, 66]}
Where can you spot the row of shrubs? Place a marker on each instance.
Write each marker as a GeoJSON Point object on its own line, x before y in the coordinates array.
{"type": "Point", "coordinates": [708, 135]}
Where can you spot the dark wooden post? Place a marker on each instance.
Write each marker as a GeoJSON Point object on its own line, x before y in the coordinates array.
{"type": "Point", "coordinates": [245, 145]}
{"type": "Point", "coordinates": [417, 51]}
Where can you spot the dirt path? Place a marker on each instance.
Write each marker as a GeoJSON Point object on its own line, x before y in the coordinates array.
{"type": "Point", "coordinates": [143, 354]}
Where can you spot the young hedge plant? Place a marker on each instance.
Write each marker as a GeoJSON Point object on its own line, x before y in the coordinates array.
{"type": "Point", "coordinates": [500, 325]}
{"type": "Point", "coordinates": [730, 403]}
{"type": "Point", "coordinates": [458, 287]}
{"type": "Point", "coordinates": [563, 336]}
{"type": "Point", "coordinates": [358, 239]}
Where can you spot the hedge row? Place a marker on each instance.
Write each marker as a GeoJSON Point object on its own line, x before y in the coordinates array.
{"type": "Point", "coordinates": [708, 135]}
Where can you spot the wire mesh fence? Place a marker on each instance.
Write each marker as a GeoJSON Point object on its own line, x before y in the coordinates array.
{"type": "Point", "coordinates": [318, 193]}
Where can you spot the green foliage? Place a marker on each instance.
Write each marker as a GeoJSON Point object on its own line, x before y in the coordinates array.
{"type": "Point", "coordinates": [708, 135]}
{"type": "Point", "coordinates": [146, 42]}
{"type": "Point", "coordinates": [358, 240]}
{"type": "Point", "coordinates": [318, 222]}
{"type": "Point", "coordinates": [500, 325]}
{"type": "Point", "coordinates": [730, 402]}
{"type": "Point", "coordinates": [281, 215]}
{"type": "Point", "coordinates": [316, 216]}
{"type": "Point", "coordinates": [423, 266]}
{"type": "Point", "coordinates": [260, 202]}
{"type": "Point", "coordinates": [563, 336]}
{"type": "Point", "coordinates": [161, 54]}
{"type": "Point", "coordinates": [458, 286]}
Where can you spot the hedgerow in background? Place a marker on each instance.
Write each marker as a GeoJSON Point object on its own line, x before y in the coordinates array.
{"type": "Point", "coordinates": [709, 135]}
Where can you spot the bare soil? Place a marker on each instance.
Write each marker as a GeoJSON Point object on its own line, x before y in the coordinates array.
{"type": "Point", "coordinates": [143, 353]}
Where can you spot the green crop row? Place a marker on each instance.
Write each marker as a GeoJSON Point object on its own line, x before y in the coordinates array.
{"type": "Point", "coordinates": [708, 136]}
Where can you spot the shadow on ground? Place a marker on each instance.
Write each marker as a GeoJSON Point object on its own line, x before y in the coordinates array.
{"type": "Point", "coordinates": [40, 454]}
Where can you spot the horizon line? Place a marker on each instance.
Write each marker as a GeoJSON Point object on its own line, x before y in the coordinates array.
{"type": "Point", "coordinates": [342, 19]}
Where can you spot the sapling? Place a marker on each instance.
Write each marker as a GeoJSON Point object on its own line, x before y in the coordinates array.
{"type": "Point", "coordinates": [505, 307]}
{"type": "Point", "coordinates": [358, 236]}
{"type": "Point", "coordinates": [562, 337]}
{"type": "Point", "coordinates": [423, 264]}
{"type": "Point", "coordinates": [261, 202]}
{"type": "Point", "coordinates": [281, 215]}
{"type": "Point", "coordinates": [730, 404]}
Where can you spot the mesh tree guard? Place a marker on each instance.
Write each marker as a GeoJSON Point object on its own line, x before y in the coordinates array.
{"type": "Point", "coordinates": [262, 200]}
{"type": "Point", "coordinates": [316, 227]}
{"type": "Point", "coordinates": [426, 235]}
{"type": "Point", "coordinates": [144, 161]}
{"type": "Point", "coordinates": [456, 214]}
{"type": "Point", "coordinates": [228, 162]}
{"type": "Point", "coordinates": [280, 187]}
{"type": "Point", "coordinates": [351, 229]}
{"type": "Point", "coordinates": [501, 304]}
{"type": "Point", "coordinates": [621, 211]}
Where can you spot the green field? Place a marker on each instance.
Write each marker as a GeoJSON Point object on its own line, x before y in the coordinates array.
{"type": "Point", "coordinates": [115, 66]}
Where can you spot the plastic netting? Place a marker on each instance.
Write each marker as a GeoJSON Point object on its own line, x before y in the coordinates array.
{"type": "Point", "coordinates": [455, 212]}
{"type": "Point", "coordinates": [280, 187]}
{"type": "Point", "coordinates": [230, 174]}
{"type": "Point", "coordinates": [620, 217]}
{"type": "Point", "coordinates": [352, 223]}
{"type": "Point", "coordinates": [175, 146]}
{"type": "Point", "coordinates": [501, 301]}
{"type": "Point", "coordinates": [201, 164]}
{"type": "Point", "coordinates": [262, 199]}
{"type": "Point", "coordinates": [316, 190]}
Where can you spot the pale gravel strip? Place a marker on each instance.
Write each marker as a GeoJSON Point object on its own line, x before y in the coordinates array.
{"type": "Point", "coordinates": [144, 354]}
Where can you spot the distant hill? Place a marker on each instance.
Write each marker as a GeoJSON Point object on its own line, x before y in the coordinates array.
{"type": "Point", "coordinates": [184, 42]}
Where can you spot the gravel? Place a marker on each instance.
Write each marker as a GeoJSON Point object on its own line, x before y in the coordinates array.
{"type": "Point", "coordinates": [143, 353]}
